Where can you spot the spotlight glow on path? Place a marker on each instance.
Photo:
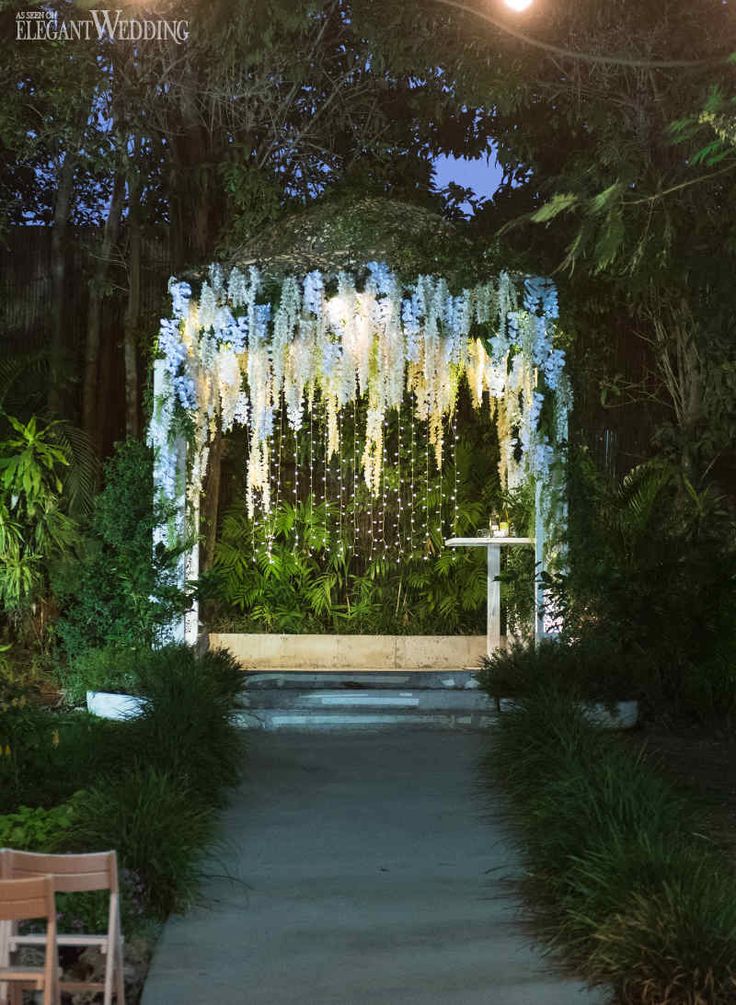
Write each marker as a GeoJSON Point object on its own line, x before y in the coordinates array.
{"type": "Point", "coordinates": [518, 5]}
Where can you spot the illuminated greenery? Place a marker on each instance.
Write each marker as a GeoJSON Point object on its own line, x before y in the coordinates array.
{"type": "Point", "coordinates": [311, 569]}
{"type": "Point", "coordinates": [34, 527]}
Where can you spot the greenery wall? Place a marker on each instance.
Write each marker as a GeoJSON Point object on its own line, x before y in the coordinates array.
{"type": "Point", "coordinates": [362, 565]}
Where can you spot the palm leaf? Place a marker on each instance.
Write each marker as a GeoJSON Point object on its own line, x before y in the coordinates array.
{"type": "Point", "coordinates": [83, 472]}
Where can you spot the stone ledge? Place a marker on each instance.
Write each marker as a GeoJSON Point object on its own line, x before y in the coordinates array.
{"type": "Point", "coordinates": [346, 652]}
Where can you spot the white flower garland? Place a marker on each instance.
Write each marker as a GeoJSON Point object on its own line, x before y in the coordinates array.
{"type": "Point", "coordinates": [230, 360]}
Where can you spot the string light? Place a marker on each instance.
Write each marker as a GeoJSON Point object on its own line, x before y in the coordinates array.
{"type": "Point", "coordinates": [325, 469]}
{"type": "Point", "coordinates": [388, 534]}
{"type": "Point", "coordinates": [371, 526]}
{"type": "Point", "coordinates": [311, 473]}
{"type": "Point", "coordinates": [440, 474]}
{"type": "Point", "coordinates": [268, 522]}
{"type": "Point", "coordinates": [455, 506]}
{"type": "Point", "coordinates": [355, 475]}
{"type": "Point", "coordinates": [279, 475]}
{"type": "Point", "coordinates": [341, 501]}
{"type": "Point", "coordinates": [413, 497]}
{"type": "Point", "coordinates": [386, 507]}
{"type": "Point", "coordinates": [578, 54]}
{"type": "Point", "coordinates": [373, 531]}
{"type": "Point", "coordinates": [271, 518]}
{"type": "Point", "coordinates": [399, 509]}
{"type": "Point", "coordinates": [279, 467]}
{"type": "Point", "coordinates": [382, 527]}
{"type": "Point", "coordinates": [426, 502]}
{"type": "Point", "coordinates": [254, 533]}
{"type": "Point", "coordinates": [296, 489]}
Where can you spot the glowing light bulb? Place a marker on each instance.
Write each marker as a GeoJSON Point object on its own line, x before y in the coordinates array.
{"type": "Point", "coordinates": [518, 5]}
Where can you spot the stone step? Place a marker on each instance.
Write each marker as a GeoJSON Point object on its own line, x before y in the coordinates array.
{"type": "Point", "coordinates": [325, 719]}
{"type": "Point", "coordinates": [380, 699]}
{"type": "Point", "coordinates": [303, 680]}
{"type": "Point", "coordinates": [370, 699]}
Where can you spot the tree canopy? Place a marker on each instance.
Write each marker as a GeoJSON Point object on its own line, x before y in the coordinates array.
{"type": "Point", "coordinates": [611, 120]}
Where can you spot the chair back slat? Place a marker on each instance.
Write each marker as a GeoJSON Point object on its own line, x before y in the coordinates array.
{"type": "Point", "coordinates": [71, 873]}
{"type": "Point", "coordinates": [22, 873]}
{"type": "Point", "coordinates": [25, 899]}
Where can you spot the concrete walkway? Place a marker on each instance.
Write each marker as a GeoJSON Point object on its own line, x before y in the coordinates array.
{"type": "Point", "coordinates": [369, 869]}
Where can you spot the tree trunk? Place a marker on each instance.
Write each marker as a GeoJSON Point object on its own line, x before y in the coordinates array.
{"type": "Point", "coordinates": [177, 242]}
{"type": "Point", "coordinates": [196, 198]}
{"type": "Point", "coordinates": [59, 355]}
{"type": "Point", "coordinates": [132, 313]}
{"type": "Point", "coordinates": [94, 312]}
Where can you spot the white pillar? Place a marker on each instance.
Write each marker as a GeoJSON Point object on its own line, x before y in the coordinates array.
{"type": "Point", "coordinates": [169, 488]}
{"type": "Point", "coordinates": [493, 617]}
{"type": "Point", "coordinates": [191, 618]}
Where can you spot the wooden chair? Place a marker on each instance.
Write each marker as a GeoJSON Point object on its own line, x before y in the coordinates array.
{"type": "Point", "coordinates": [27, 900]}
{"type": "Point", "coordinates": [76, 874]}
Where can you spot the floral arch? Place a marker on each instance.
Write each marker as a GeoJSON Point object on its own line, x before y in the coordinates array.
{"type": "Point", "coordinates": [245, 347]}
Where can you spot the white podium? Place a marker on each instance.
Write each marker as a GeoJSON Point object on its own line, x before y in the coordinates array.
{"type": "Point", "coordinates": [493, 547]}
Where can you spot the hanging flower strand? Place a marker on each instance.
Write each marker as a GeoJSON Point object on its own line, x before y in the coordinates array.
{"type": "Point", "coordinates": [230, 359]}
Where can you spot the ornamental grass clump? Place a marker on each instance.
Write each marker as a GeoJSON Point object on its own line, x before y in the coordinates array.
{"type": "Point", "coordinates": [625, 884]}
{"type": "Point", "coordinates": [188, 727]}
{"type": "Point", "coordinates": [157, 828]}
{"type": "Point", "coordinates": [658, 921]}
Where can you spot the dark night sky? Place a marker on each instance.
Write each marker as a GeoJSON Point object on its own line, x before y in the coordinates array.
{"type": "Point", "coordinates": [483, 176]}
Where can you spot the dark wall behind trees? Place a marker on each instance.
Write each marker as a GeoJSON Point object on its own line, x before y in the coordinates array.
{"type": "Point", "coordinates": [618, 435]}
{"type": "Point", "coordinates": [27, 322]}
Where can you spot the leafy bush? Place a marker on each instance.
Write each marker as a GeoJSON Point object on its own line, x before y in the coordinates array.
{"type": "Point", "coordinates": [111, 668]}
{"type": "Point", "coordinates": [187, 728]}
{"type": "Point", "coordinates": [34, 528]}
{"type": "Point", "coordinates": [306, 569]}
{"type": "Point", "coordinates": [148, 785]}
{"type": "Point", "coordinates": [623, 881]}
{"type": "Point", "coordinates": [589, 669]}
{"type": "Point", "coordinates": [652, 574]}
{"type": "Point", "coordinates": [156, 825]}
{"type": "Point", "coordinates": [114, 596]}
{"type": "Point", "coordinates": [45, 756]}
{"type": "Point", "coordinates": [37, 829]}
{"type": "Point", "coordinates": [324, 587]}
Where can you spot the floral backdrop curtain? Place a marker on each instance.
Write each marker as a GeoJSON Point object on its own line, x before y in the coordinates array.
{"type": "Point", "coordinates": [246, 345]}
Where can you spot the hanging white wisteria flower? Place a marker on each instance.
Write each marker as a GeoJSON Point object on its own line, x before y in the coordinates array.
{"type": "Point", "coordinates": [232, 359]}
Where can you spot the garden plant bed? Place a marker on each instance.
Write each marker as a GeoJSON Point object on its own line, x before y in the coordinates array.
{"type": "Point", "coordinates": [623, 875]}
{"type": "Point", "coordinates": [147, 785]}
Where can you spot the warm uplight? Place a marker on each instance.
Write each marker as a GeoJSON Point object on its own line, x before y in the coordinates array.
{"type": "Point", "coordinates": [518, 4]}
